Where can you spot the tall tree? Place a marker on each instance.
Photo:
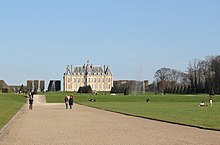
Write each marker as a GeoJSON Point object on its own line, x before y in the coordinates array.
{"type": "Point", "coordinates": [42, 85]}
{"type": "Point", "coordinates": [202, 75]}
{"type": "Point", "coordinates": [215, 67]}
{"type": "Point", "coordinates": [193, 75]}
{"type": "Point", "coordinates": [29, 85]}
{"type": "Point", "coordinates": [161, 77]}
{"type": "Point", "coordinates": [166, 77]}
{"type": "Point", "coordinates": [36, 86]}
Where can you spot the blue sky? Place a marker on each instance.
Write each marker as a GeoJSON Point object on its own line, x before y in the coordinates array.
{"type": "Point", "coordinates": [135, 37]}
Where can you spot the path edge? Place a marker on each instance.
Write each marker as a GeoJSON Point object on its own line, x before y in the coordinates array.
{"type": "Point", "coordinates": [10, 121]}
{"type": "Point", "coordinates": [154, 119]}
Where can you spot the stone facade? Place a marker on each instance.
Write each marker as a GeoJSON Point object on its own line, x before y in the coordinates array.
{"type": "Point", "coordinates": [98, 77]}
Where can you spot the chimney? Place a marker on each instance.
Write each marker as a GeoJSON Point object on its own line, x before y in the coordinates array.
{"type": "Point", "coordinates": [67, 69]}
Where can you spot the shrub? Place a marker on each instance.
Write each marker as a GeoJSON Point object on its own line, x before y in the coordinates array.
{"type": "Point", "coordinates": [85, 89]}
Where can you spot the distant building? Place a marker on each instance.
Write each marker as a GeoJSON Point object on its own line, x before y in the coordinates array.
{"type": "Point", "coordinates": [4, 87]}
{"type": "Point", "coordinates": [54, 85]}
{"type": "Point", "coordinates": [98, 77]}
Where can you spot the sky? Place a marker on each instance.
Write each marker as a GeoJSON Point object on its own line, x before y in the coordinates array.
{"type": "Point", "coordinates": [134, 37]}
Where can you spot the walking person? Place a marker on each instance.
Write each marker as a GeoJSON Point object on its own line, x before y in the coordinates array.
{"type": "Point", "coordinates": [66, 100]}
{"type": "Point", "coordinates": [71, 101]}
{"type": "Point", "coordinates": [31, 100]}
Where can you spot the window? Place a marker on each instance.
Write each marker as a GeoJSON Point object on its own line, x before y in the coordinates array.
{"type": "Point", "coordinates": [89, 79]}
{"type": "Point", "coordinates": [78, 79]}
{"type": "Point", "coordinates": [103, 86]}
{"type": "Point", "coordinates": [99, 80]}
{"type": "Point", "coordinates": [94, 79]}
{"type": "Point", "coordinates": [74, 79]}
{"type": "Point", "coordinates": [109, 80]}
{"type": "Point", "coordinates": [109, 86]}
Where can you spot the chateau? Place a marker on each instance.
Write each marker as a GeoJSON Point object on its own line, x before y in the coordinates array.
{"type": "Point", "coordinates": [98, 77]}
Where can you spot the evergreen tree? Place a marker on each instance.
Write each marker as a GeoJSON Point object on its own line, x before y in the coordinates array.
{"type": "Point", "coordinates": [42, 85]}
{"type": "Point", "coordinates": [85, 89]}
{"type": "Point", "coordinates": [36, 86]}
{"type": "Point", "coordinates": [29, 85]}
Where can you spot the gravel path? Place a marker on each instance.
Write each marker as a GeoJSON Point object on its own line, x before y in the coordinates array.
{"type": "Point", "coordinates": [52, 124]}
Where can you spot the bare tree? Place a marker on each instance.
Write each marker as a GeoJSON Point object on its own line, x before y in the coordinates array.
{"type": "Point", "coordinates": [201, 74]}
{"type": "Point", "coordinates": [169, 79]}
{"type": "Point", "coordinates": [161, 77]}
{"type": "Point", "coordinates": [215, 70]}
{"type": "Point", "coordinates": [192, 74]}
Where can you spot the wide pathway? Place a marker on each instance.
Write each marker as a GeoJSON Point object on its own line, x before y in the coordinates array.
{"type": "Point", "coordinates": [52, 124]}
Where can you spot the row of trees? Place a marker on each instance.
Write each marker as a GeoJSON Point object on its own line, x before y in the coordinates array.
{"type": "Point", "coordinates": [33, 86]}
{"type": "Point", "coordinates": [167, 80]}
{"type": "Point", "coordinates": [202, 76]}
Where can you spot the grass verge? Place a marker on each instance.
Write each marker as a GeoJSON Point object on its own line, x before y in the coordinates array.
{"type": "Point", "coordinates": [10, 104]}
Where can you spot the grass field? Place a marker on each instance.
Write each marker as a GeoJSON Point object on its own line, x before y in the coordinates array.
{"type": "Point", "coordinates": [9, 106]}
{"type": "Point", "coordinates": [175, 108]}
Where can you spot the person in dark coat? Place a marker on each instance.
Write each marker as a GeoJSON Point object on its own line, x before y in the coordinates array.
{"type": "Point", "coordinates": [31, 100]}
{"type": "Point", "coordinates": [71, 102]}
{"type": "Point", "coordinates": [66, 100]}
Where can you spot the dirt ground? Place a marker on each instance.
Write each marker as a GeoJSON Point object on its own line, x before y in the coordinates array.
{"type": "Point", "coordinates": [52, 124]}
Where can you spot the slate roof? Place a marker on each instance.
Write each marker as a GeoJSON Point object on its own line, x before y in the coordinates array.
{"type": "Point", "coordinates": [88, 70]}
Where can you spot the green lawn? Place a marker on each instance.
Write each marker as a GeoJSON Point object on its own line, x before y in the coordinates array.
{"type": "Point", "coordinates": [175, 108]}
{"type": "Point", "coordinates": [9, 106]}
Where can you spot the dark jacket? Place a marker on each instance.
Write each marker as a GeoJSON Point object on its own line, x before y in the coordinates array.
{"type": "Point", "coordinates": [66, 99]}
{"type": "Point", "coordinates": [71, 101]}
{"type": "Point", "coordinates": [31, 101]}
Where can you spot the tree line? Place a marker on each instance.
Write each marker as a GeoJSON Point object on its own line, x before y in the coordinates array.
{"type": "Point", "coordinates": [201, 76]}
